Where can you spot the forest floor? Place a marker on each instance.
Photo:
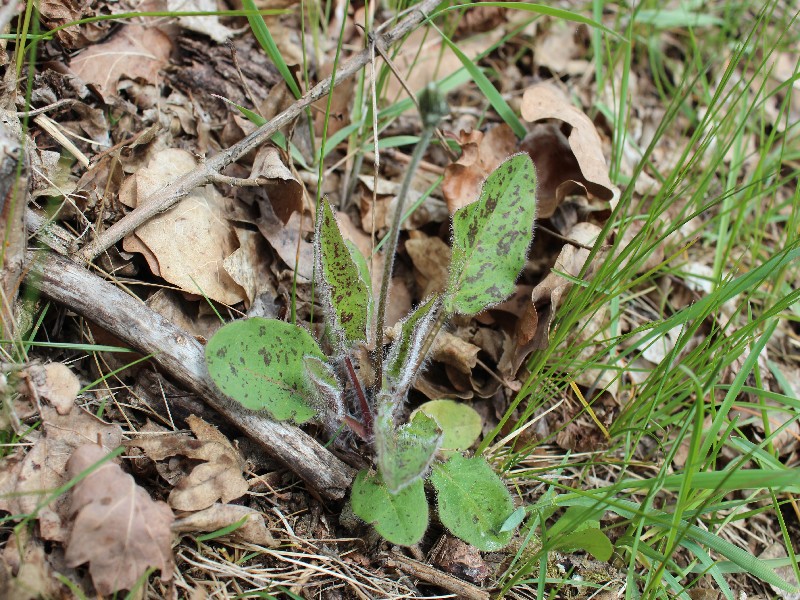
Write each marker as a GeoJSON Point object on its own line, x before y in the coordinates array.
{"type": "Point", "coordinates": [638, 393]}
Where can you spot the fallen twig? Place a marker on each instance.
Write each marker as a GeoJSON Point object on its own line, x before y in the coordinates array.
{"type": "Point", "coordinates": [166, 197]}
{"type": "Point", "coordinates": [418, 569]}
{"type": "Point", "coordinates": [181, 356]}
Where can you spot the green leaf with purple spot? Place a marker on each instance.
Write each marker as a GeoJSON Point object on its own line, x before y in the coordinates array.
{"type": "Point", "coordinates": [344, 292]}
{"type": "Point", "coordinates": [491, 238]}
{"type": "Point", "coordinates": [260, 364]}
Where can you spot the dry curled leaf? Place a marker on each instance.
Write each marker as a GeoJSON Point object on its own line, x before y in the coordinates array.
{"type": "Point", "coordinates": [187, 244]}
{"type": "Point", "coordinates": [218, 477]}
{"type": "Point", "coordinates": [248, 265]}
{"type": "Point", "coordinates": [431, 258]}
{"type": "Point", "coordinates": [286, 239]}
{"type": "Point", "coordinates": [57, 384]}
{"type": "Point", "coordinates": [460, 559]}
{"type": "Point", "coordinates": [133, 52]}
{"type": "Point", "coordinates": [547, 295]}
{"type": "Point", "coordinates": [56, 13]}
{"type": "Point", "coordinates": [560, 48]}
{"type": "Point", "coordinates": [454, 351]}
{"type": "Point", "coordinates": [285, 192]}
{"type": "Point", "coordinates": [44, 467]}
{"type": "Point", "coordinates": [481, 154]}
{"type": "Point", "coordinates": [119, 530]}
{"type": "Point", "coordinates": [563, 164]}
{"type": "Point", "coordinates": [253, 530]}
{"type": "Point", "coordinates": [28, 571]}
{"type": "Point", "coordinates": [205, 24]}
{"type": "Point", "coordinates": [424, 58]}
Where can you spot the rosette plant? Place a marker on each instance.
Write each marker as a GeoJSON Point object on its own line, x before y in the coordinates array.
{"type": "Point", "coordinates": [278, 367]}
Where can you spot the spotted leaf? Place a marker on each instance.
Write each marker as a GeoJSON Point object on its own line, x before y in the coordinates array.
{"type": "Point", "coordinates": [260, 364]}
{"type": "Point", "coordinates": [491, 238]}
{"type": "Point", "coordinates": [344, 292]}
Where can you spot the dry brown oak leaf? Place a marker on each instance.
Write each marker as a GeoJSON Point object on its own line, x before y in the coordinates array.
{"type": "Point", "coordinates": [44, 467]}
{"type": "Point", "coordinates": [119, 530]}
{"type": "Point", "coordinates": [219, 477]}
{"type": "Point", "coordinates": [132, 52]}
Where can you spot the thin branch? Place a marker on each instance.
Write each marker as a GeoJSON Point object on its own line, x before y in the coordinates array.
{"type": "Point", "coordinates": [166, 197]}
{"type": "Point", "coordinates": [181, 356]}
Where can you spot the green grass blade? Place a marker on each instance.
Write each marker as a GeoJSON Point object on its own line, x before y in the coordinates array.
{"type": "Point", "coordinates": [542, 9]}
{"type": "Point", "coordinates": [487, 87]}
{"type": "Point", "coordinates": [264, 37]}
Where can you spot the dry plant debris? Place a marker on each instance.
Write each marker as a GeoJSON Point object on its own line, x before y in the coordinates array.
{"type": "Point", "coordinates": [217, 477]}
{"type": "Point", "coordinates": [118, 529]}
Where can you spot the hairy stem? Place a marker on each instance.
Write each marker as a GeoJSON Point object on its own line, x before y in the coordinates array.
{"type": "Point", "coordinates": [391, 249]}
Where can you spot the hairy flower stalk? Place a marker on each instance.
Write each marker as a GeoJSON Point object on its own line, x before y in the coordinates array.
{"type": "Point", "coordinates": [433, 108]}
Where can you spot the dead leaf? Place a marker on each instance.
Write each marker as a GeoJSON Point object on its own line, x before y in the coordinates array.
{"type": "Point", "coordinates": [341, 102]}
{"type": "Point", "coordinates": [51, 175]}
{"type": "Point", "coordinates": [207, 24]}
{"type": "Point", "coordinates": [547, 295]}
{"type": "Point", "coordinates": [55, 13]}
{"type": "Point", "coordinates": [248, 265]}
{"type": "Point", "coordinates": [218, 477]}
{"type": "Point", "coordinates": [286, 239]}
{"type": "Point", "coordinates": [526, 338]}
{"type": "Point", "coordinates": [187, 244]}
{"type": "Point", "coordinates": [559, 47]}
{"type": "Point", "coordinates": [432, 210]}
{"type": "Point", "coordinates": [460, 559]}
{"type": "Point", "coordinates": [285, 192]}
{"type": "Point", "coordinates": [133, 52]}
{"type": "Point", "coordinates": [480, 18]}
{"type": "Point", "coordinates": [430, 384]}
{"type": "Point", "coordinates": [183, 313]}
{"type": "Point", "coordinates": [453, 351]}
{"type": "Point", "coordinates": [431, 258]}
{"type": "Point", "coordinates": [56, 383]}
{"type": "Point", "coordinates": [31, 570]}
{"type": "Point", "coordinates": [424, 58]}
{"type": "Point", "coordinates": [217, 516]}
{"type": "Point", "coordinates": [119, 530]}
{"type": "Point", "coordinates": [480, 155]}
{"type": "Point", "coordinates": [43, 468]}
{"type": "Point", "coordinates": [561, 169]}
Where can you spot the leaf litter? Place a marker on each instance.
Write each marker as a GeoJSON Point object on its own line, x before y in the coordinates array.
{"type": "Point", "coordinates": [255, 251]}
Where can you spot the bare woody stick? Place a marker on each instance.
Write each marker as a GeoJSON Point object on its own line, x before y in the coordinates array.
{"type": "Point", "coordinates": [181, 356]}
{"type": "Point", "coordinates": [167, 196]}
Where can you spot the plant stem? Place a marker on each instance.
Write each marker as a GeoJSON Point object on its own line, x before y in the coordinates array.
{"type": "Point", "coordinates": [391, 249]}
{"type": "Point", "coordinates": [362, 400]}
